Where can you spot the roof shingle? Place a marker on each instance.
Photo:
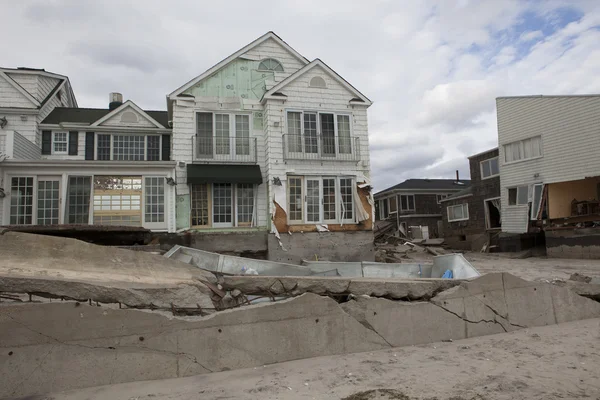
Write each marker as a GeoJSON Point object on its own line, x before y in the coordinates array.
{"type": "Point", "coordinates": [429, 184]}
{"type": "Point", "coordinates": [91, 115]}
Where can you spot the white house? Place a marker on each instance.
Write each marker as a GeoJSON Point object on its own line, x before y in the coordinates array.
{"type": "Point", "coordinates": [550, 169]}
{"type": "Point", "coordinates": [69, 165]}
{"type": "Point", "coordinates": [267, 140]}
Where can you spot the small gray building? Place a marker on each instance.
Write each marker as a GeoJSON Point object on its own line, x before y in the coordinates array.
{"type": "Point", "coordinates": [471, 215]}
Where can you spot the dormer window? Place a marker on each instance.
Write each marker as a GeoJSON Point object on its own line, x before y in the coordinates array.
{"type": "Point", "coordinates": [317, 82]}
{"type": "Point", "coordinates": [270, 64]}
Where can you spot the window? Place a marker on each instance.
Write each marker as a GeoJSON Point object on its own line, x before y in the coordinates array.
{"type": "Point", "coordinates": [222, 205]}
{"type": "Point", "coordinates": [538, 190]}
{"type": "Point", "coordinates": [489, 168]}
{"type": "Point", "coordinates": [523, 149]}
{"type": "Point", "coordinates": [128, 147]}
{"type": "Point", "coordinates": [344, 143]}
{"type": "Point", "coordinates": [458, 212]}
{"type": "Point", "coordinates": [60, 142]}
{"type": "Point", "coordinates": [270, 64]}
{"type": "Point", "coordinates": [317, 82]}
{"type": "Point", "coordinates": [78, 199]}
{"type": "Point", "coordinates": [321, 199]}
{"type": "Point", "coordinates": [242, 134]}
{"type": "Point", "coordinates": [21, 200]}
{"type": "Point", "coordinates": [245, 204]}
{"type": "Point", "coordinates": [118, 200]}
{"type": "Point", "coordinates": [441, 197]}
{"type": "Point", "coordinates": [47, 201]}
{"type": "Point", "coordinates": [407, 202]}
{"type": "Point", "coordinates": [309, 132]}
{"type": "Point", "coordinates": [153, 148]}
{"type": "Point", "coordinates": [223, 134]}
{"type": "Point", "coordinates": [155, 199]}
{"type": "Point", "coordinates": [295, 199]}
{"type": "Point", "coordinates": [200, 205]}
{"type": "Point", "coordinates": [393, 204]}
{"type": "Point", "coordinates": [518, 195]}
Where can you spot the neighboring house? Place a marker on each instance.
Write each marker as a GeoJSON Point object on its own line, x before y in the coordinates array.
{"type": "Point", "coordinates": [27, 96]}
{"type": "Point", "coordinates": [417, 202]}
{"type": "Point", "coordinates": [472, 214]}
{"type": "Point", "coordinates": [268, 141]}
{"type": "Point", "coordinates": [94, 166]}
{"type": "Point", "coordinates": [550, 170]}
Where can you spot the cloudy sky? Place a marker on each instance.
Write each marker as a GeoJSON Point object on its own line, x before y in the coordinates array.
{"type": "Point", "coordinates": [433, 68]}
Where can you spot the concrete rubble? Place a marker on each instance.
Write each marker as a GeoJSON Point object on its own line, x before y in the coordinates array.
{"type": "Point", "coordinates": [63, 345]}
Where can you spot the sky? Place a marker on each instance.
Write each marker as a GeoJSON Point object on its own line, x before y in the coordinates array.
{"type": "Point", "coordinates": [432, 68]}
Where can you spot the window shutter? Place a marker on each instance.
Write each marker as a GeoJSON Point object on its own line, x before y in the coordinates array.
{"type": "Point", "coordinates": [73, 142]}
{"type": "Point", "coordinates": [89, 145]}
{"type": "Point", "coordinates": [47, 142]}
{"type": "Point", "coordinates": [166, 147]}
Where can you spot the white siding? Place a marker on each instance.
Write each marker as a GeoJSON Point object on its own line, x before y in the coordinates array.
{"type": "Point", "coordinates": [24, 149]}
{"type": "Point", "coordinates": [570, 131]}
{"type": "Point", "coordinates": [11, 97]}
{"type": "Point", "coordinates": [45, 86]}
{"type": "Point", "coordinates": [2, 146]}
{"type": "Point", "coordinates": [115, 120]}
{"type": "Point", "coordinates": [25, 124]}
{"type": "Point", "coordinates": [28, 82]}
{"type": "Point", "coordinates": [271, 49]}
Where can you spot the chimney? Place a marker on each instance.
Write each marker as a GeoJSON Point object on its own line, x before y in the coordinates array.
{"type": "Point", "coordinates": [115, 101]}
{"type": "Point", "coordinates": [457, 178]}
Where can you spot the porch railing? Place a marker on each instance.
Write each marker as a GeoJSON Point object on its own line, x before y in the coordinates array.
{"type": "Point", "coordinates": [321, 148]}
{"type": "Point", "coordinates": [226, 149]}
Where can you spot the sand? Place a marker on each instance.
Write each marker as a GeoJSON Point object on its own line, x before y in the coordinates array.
{"type": "Point", "coordinates": [552, 362]}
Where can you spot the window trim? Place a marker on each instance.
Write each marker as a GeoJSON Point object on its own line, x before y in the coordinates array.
{"type": "Point", "coordinates": [522, 159]}
{"type": "Point", "coordinates": [439, 199]}
{"type": "Point", "coordinates": [463, 206]}
{"type": "Point", "coordinates": [232, 126]}
{"type": "Point", "coordinates": [66, 142]}
{"type": "Point", "coordinates": [270, 70]}
{"type": "Point", "coordinates": [112, 145]}
{"type": "Point", "coordinates": [407, 203]}
{"type": "Point", "coordinates": [488, 160]}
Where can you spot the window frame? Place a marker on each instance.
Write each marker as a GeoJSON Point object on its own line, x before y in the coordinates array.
{"type": "Point", "coordinates": [338, 200]}
{"type": "Point", "coordinates": [407, 202]}
{"type": "Point", "coordinates": [232, 136]}
{"type": "Point", "coordinates": [521, 144]}
{"type": "Point", "coordinates": [518, 188]}
{"type": "Point", "coordinates": [489, 161]}
{"type": "Point", "coordinates": [270, 70]}
{"type": "Point", "coordinates": [464, 206]}
{"type": "Point", "coordinates": [319, 133]}
{"type": "Point", "coordinates": [54, 142]}
{"type": "Point", "coordinates": [441, 196]}
{"type": "Point", "coordinates": [112, 145]}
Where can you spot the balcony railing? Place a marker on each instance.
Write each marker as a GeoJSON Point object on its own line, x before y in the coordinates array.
{"type": "Point", "coordinates": [226, 149]}
{"type": "Point", "coordinates": [321, 148]}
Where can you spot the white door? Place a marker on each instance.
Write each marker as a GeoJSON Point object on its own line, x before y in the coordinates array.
{"type": "Point", "coordinates": [222, 205]}
{"type": "Point", "coordinates": [48, 200]}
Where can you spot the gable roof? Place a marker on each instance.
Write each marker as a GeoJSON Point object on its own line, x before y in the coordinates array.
{"type": "Point", "coordinates": [216, 67]}
{"type": "Point", "coordinates": [19, 88]}
{"type": "Point", "coordinates": [87, 116]}
{"type": "Point", "coordinates": [317, 62]}
{"type": "Point", "coordinates": [62, 81]}
{"type": "Point", "coordinates": [129, 104]}
{"type": "Point", "coordinates": [429, 184]}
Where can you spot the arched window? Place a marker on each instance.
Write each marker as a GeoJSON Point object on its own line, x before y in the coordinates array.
{"type": "Point", "coordinates": [129, 116]}
{"type": "Point", "coordinates": [317, 82]}
{"type": "Point", "coordinates": [270, 64]}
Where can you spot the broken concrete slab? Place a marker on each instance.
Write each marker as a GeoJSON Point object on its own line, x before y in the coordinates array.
{"type": "Point", "coordinates": [25, 254]}
{"type": "Point", "coordinates": [104, 346]}
{"type": "Point", "coordinates": [414, 289]}
{"type": "Point", "coordinates": [133, 295]}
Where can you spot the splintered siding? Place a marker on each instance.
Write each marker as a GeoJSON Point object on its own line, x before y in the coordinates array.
{"type": "Point", "coordinates": [570, 131]}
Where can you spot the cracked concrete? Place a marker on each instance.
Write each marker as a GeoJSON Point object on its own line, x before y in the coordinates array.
{"type": "Point", "coordinates": [103, 346]}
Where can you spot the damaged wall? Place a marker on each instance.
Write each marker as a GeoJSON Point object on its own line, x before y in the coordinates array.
{"type": "Point", "coordinates": [560, 195]}
{"type": "Point", "coordinates": [64, 345]}
{"type": "Point", "coordinates": [573, 243]}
